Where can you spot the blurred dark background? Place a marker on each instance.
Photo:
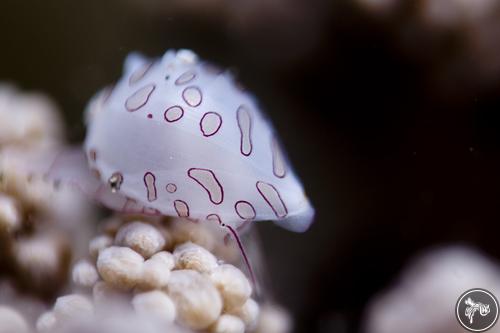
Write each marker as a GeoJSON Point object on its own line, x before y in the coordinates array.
{"type": "Point", "coordinates": [389, 111]}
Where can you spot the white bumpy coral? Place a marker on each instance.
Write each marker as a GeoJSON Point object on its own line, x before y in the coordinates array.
{"type": "Point", "coordinates": [159, 269]}
{"type": "Point", "coordinates": [36, 217]}
{"type": "Point", "coordinates": [436, 278]}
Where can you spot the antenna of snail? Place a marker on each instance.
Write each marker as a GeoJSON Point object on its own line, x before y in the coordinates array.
{"type": "Point", "coordinates": [243, 253]}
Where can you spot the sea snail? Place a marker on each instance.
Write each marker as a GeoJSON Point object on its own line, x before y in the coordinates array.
{"type": "Point", "coordinates": [175, 136]}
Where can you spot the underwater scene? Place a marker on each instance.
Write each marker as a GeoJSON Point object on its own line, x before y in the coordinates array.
{"type": "Point", "coordinates": [265, 166]}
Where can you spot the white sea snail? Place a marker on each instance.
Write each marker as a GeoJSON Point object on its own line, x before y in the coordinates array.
{"type": "Point", "coordinates": [177, 137]}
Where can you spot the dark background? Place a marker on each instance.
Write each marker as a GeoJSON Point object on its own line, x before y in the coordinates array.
{"type": "Point", "coordinates": [391, 122]}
